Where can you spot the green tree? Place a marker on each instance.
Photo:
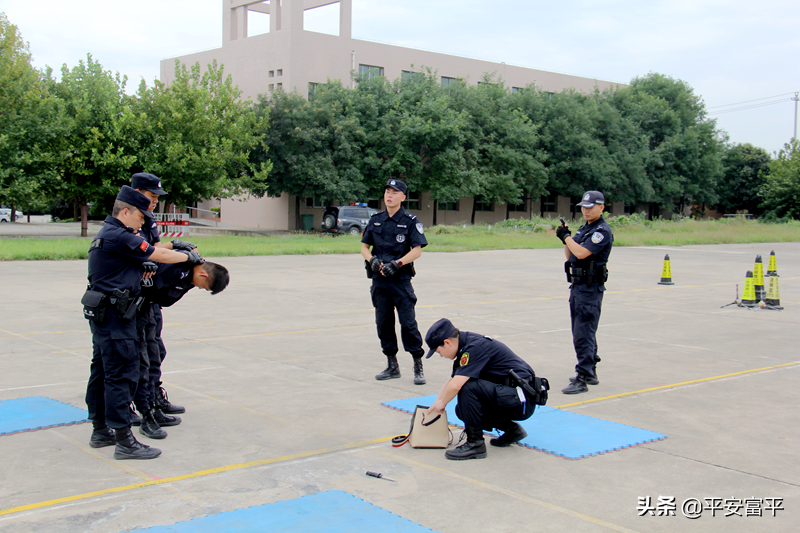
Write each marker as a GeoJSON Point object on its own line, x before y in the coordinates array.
{"type": "Point", "coordinates": [29, 122]}
{"type": "Point", "coordinates": [745, 167]}
{"type": "Point", "coordinates": [781, 189]}
{"type": "Point", "coordinates": [197, 135]}
{"type": "Point", "coordinates": [94, 154]}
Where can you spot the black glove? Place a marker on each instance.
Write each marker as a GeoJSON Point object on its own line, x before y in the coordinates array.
{"type": "Point", "coordinates": [390, 269]}
{"type": "Point", "coordinates": [194, 257]}
{"type": "Point", "coordinates": [375, 264]}
{"type": "Point", "coordinates": [149, 266]}
{"type": "Point", "coordinates": [562, 233]}
{"type": "Point", "coordinates": [178, 244]}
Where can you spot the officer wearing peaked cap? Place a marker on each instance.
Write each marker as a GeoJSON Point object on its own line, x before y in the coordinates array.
{"type": "Point", "coordinates": [392, 241]}
{"type": "Point", "coordinates": [587, 256]}
{"type": "Point", "coordinates": [111, 302]}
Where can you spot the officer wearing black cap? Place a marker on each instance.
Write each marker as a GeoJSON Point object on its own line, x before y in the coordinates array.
{"type": "Point", "coordinates": [489, 396]}
{"type": "Point", "coordinates": [587, 256]}
{"type": "Point", "coordinates": [396, 239]}
{"type": "Point", "coordinates": [150, 398]}
{"type": "Point", "coordinates": [117, 257]}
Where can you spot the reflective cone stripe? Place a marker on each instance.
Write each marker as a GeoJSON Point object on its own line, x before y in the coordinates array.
{"type": "Point", "coordinates": [758, 279]}
{"type": "Point", "coordinates": [666, 273]}
{"type": "Point", "coordinates": [773, 299]}
{"type": "Point", "coordinates": [772, 268]}
{"type": "Point", "coordinates": [749, 294]}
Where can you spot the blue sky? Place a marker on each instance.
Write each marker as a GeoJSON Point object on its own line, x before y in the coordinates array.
{"type": "Point", "coordinates": [730, 51]}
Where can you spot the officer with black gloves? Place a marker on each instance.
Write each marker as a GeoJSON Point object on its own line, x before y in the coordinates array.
{"type": "Point", "coordinates": [396, 239]}
{"type": "Point", "coordinates": [111, 303]}
{"type": "Point", "coordinates": [494, 386]}
{"type": "Point", "coordinates": [150, 398]}
{"type": "Point", "coordinates": [587, 255]}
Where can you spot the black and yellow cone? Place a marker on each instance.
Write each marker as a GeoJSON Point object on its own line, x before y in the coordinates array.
{"type": "Point", "coordinates": [749, 294]}
{"type": "Point", "coordinates": [758, 279]}
{"type": "Point", "coordinates": [773, 299]}
{"type": "Point", "coordinates": [772, 267]}
{"type": "Point", "coordinates": [666, 273]}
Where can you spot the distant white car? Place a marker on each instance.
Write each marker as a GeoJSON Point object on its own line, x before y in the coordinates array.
{"type": "Point", "coordinates": [5, 215]}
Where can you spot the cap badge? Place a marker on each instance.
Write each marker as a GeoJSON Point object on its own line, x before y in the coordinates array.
{"type": "Point", "coordinates": [586, 197]}
{"type": "Point", "coordinates": [159, 184]}
{"type": "Point", "coordinates": [392, 182]}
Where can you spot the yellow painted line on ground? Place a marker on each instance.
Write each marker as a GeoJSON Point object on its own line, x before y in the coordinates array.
{"type": "Point", "coordinates": [513, 494]}
{"type": "Point", "coordinates": [676, 385]}
{"type": "Point", "coordinates": [193, 475]}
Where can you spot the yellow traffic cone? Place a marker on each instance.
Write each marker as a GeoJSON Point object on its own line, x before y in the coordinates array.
{"type": "Point", "coordinates": [666, 273]}
{"type": "Point", "coordinates": [773, 300]}
{"type": "Point", "coordinates": [749, 294]}
{"type": "Point", "coordinates": [772, 268]}
{"type": "Point", "coordinates": [758, 279]}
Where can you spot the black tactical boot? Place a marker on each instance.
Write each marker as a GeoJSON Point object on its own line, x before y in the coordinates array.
{"type": "Point", "coordinates": [419, 377]}
{"type": "Point", "coordinates": [135, 419]}
{"type": "Point", "coordinates": [392, 370]}
{"type": "Point", "coordinates": [150, 427]}
{"type": "Point", "coordinates": [474, 448]}
{"type": "Point", "coordinates": [163, 403]}
{"type": "Point", "coordinates": [130, 448]}
{"type": "Point", "coordinates": [102, 437]}
{"type": "Point", "coordinates": [577, 386]}
{"type": "Point", "coordinates": [511, 435]}
{"type": "Point", "coordinates": [590, 380]}
{"type": "Point", "coordinates": [166, 420]}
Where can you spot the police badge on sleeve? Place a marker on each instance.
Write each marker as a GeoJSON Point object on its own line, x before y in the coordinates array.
{"type": "Point", "coordinates": [597, 237]}
{"type": "Point", "coordinates": [419, 228]}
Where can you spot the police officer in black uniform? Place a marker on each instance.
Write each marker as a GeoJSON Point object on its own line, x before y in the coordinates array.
{"type": "Point", "coordinates": [397, 239]}
{"type": "Point", "coordinates": [116, 266]}
{"type": "Point", "coordinates": [172, 282]}
{"type": "Point", "coordinates": [150, 399]}
{"type": "Point", "coordinates": [587, 256]}
{"type": "Point", "coordinates": [488, 395]}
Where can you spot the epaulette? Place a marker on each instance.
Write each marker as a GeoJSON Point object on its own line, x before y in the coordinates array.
{"type": "Point", "coordinates": [377, 213]}
{"type": "Point", "coordinates": [412, 217]}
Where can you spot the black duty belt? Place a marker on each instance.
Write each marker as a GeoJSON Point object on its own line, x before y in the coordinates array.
{"type": "Point", "coordinates": [585, 275]}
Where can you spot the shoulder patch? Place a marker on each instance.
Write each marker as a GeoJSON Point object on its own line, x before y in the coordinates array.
{"type": "Point", "coordinates": [464, 359]}
{"type": "Point", "coordinates": [144, 245]}
{"type": "Point", "coordinates": [420, 228]}
{"type": "Point", "coordinates": [597, 237]}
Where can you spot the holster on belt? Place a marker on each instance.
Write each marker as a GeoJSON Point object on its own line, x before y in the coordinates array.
{"type": "Point", "coordinates": [536, 388]}
{"type": "Point", "coordinates": [126, 305]}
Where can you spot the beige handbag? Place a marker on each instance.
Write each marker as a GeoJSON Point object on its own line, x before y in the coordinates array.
{"type": "Point", "coordinates": [431, 433]}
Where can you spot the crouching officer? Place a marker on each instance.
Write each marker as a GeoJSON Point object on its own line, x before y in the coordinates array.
{"type": "Point", "coordinates": [111, 303]}
{"type": "Point", "coordinates": [172, 282]}
{"type": "Point", "coordinates": [494, 386]}
{"type": "Point", "coordinates": [397, 239]}
{"type": "Point", "coordinates": [587, 256]}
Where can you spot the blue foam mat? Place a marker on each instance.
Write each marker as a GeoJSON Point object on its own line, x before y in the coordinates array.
{"type": "Point", "coordinates": [558, 432]}
{"type": "Point", "coordinates": [37, 412]}
{"type": "Point", "coordinates": [332, 511]}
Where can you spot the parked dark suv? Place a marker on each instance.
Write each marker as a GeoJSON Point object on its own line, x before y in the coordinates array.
{"type": "Point", "coordinates": [350, 219]}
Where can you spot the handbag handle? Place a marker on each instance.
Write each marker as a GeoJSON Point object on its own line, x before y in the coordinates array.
{"type": "Point", "coordinates": [437, 417]}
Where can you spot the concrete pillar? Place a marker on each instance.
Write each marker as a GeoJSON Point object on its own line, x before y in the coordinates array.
{"type": "Point", "coordinates": [346, 18]}
{"type": "Point", "coordinates": [274, 15]}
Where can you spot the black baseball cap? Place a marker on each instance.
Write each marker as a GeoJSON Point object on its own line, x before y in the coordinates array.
{"type": "Point", "coordinates": [133, 197]}
{"type": "Point", "coordinates": [396, 184]}
{"type": "Point", "coordinates": [438, 332]}
{"type": "Point", "coordinates": [592, 198]}
{"type": "Point", "coordinates": [148, 182]}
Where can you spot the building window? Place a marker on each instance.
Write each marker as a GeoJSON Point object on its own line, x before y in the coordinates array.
{"type": "Point", "coordinates": [413, 201]}
{"type": "Point", "coordinates": [550, 96]}
{"type": "Point", "coordinates": [316, 201]}
{"type": "Point", "coordinates": [446, 82]}
{"type": "Point", "coordinates": [609, 207]}
{"type": "Point", "coordinates": [280, 85]}
{"type": "Point", "coordinates": [280, 72]}
{"type": "Point", "coordinates": [517, 90]}
{"type": "Point", "coordinates": [271, 87]}
{"type": "Point", "coordinates": [486, 85]}
{"type": "Point", "coordinates": [374, 203]}
{"type": "Point", "coordinates": [448, 206]}
{"type": "Point", "coordinates": [410, 75]}
{"type": "Point", "coordinates": [518, 208]}
{"type": "Point", "coordinates": [271, 73]}
{"type": "Point", "coordinates": [550, 203]}
{"type": "Point", "coordinates": [629, 209]}
{"type": "Point", "coordinates": [370, 71]}
{"type": "Point", "coordinates": [480, 205]}
{"type": "Point", "coordinates": [312, 88]}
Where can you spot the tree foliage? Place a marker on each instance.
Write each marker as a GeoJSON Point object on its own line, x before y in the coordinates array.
{"type": "Point", "coordinates": [781, 189]}
{"type": "Point", "coordinates": [745, 167]}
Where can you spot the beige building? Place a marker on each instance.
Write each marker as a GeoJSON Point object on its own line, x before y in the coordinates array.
{"type": "Point", "coordinates": [290, 58]}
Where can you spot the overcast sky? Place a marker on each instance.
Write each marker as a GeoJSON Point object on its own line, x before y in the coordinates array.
{"type": "Point", "coordinates": [730, 52]}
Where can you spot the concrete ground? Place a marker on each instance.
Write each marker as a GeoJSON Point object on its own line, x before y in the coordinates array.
{"type": "Point", "coordinates": [277, 372]}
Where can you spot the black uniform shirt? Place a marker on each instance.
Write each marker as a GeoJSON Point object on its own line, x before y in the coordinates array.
{"type": "Point", "coordinates": [481, 357]}
{"type": "Point", "coordinates": [393, 237]}
{"type": "Point", "coordinates": [597, 238]}
{"type": "Point", "coordinates": [149, 231]}
{"type": "Point", "coordinates": [170, 283]}
{"type": "Point", "coordinates": [115, 258]}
